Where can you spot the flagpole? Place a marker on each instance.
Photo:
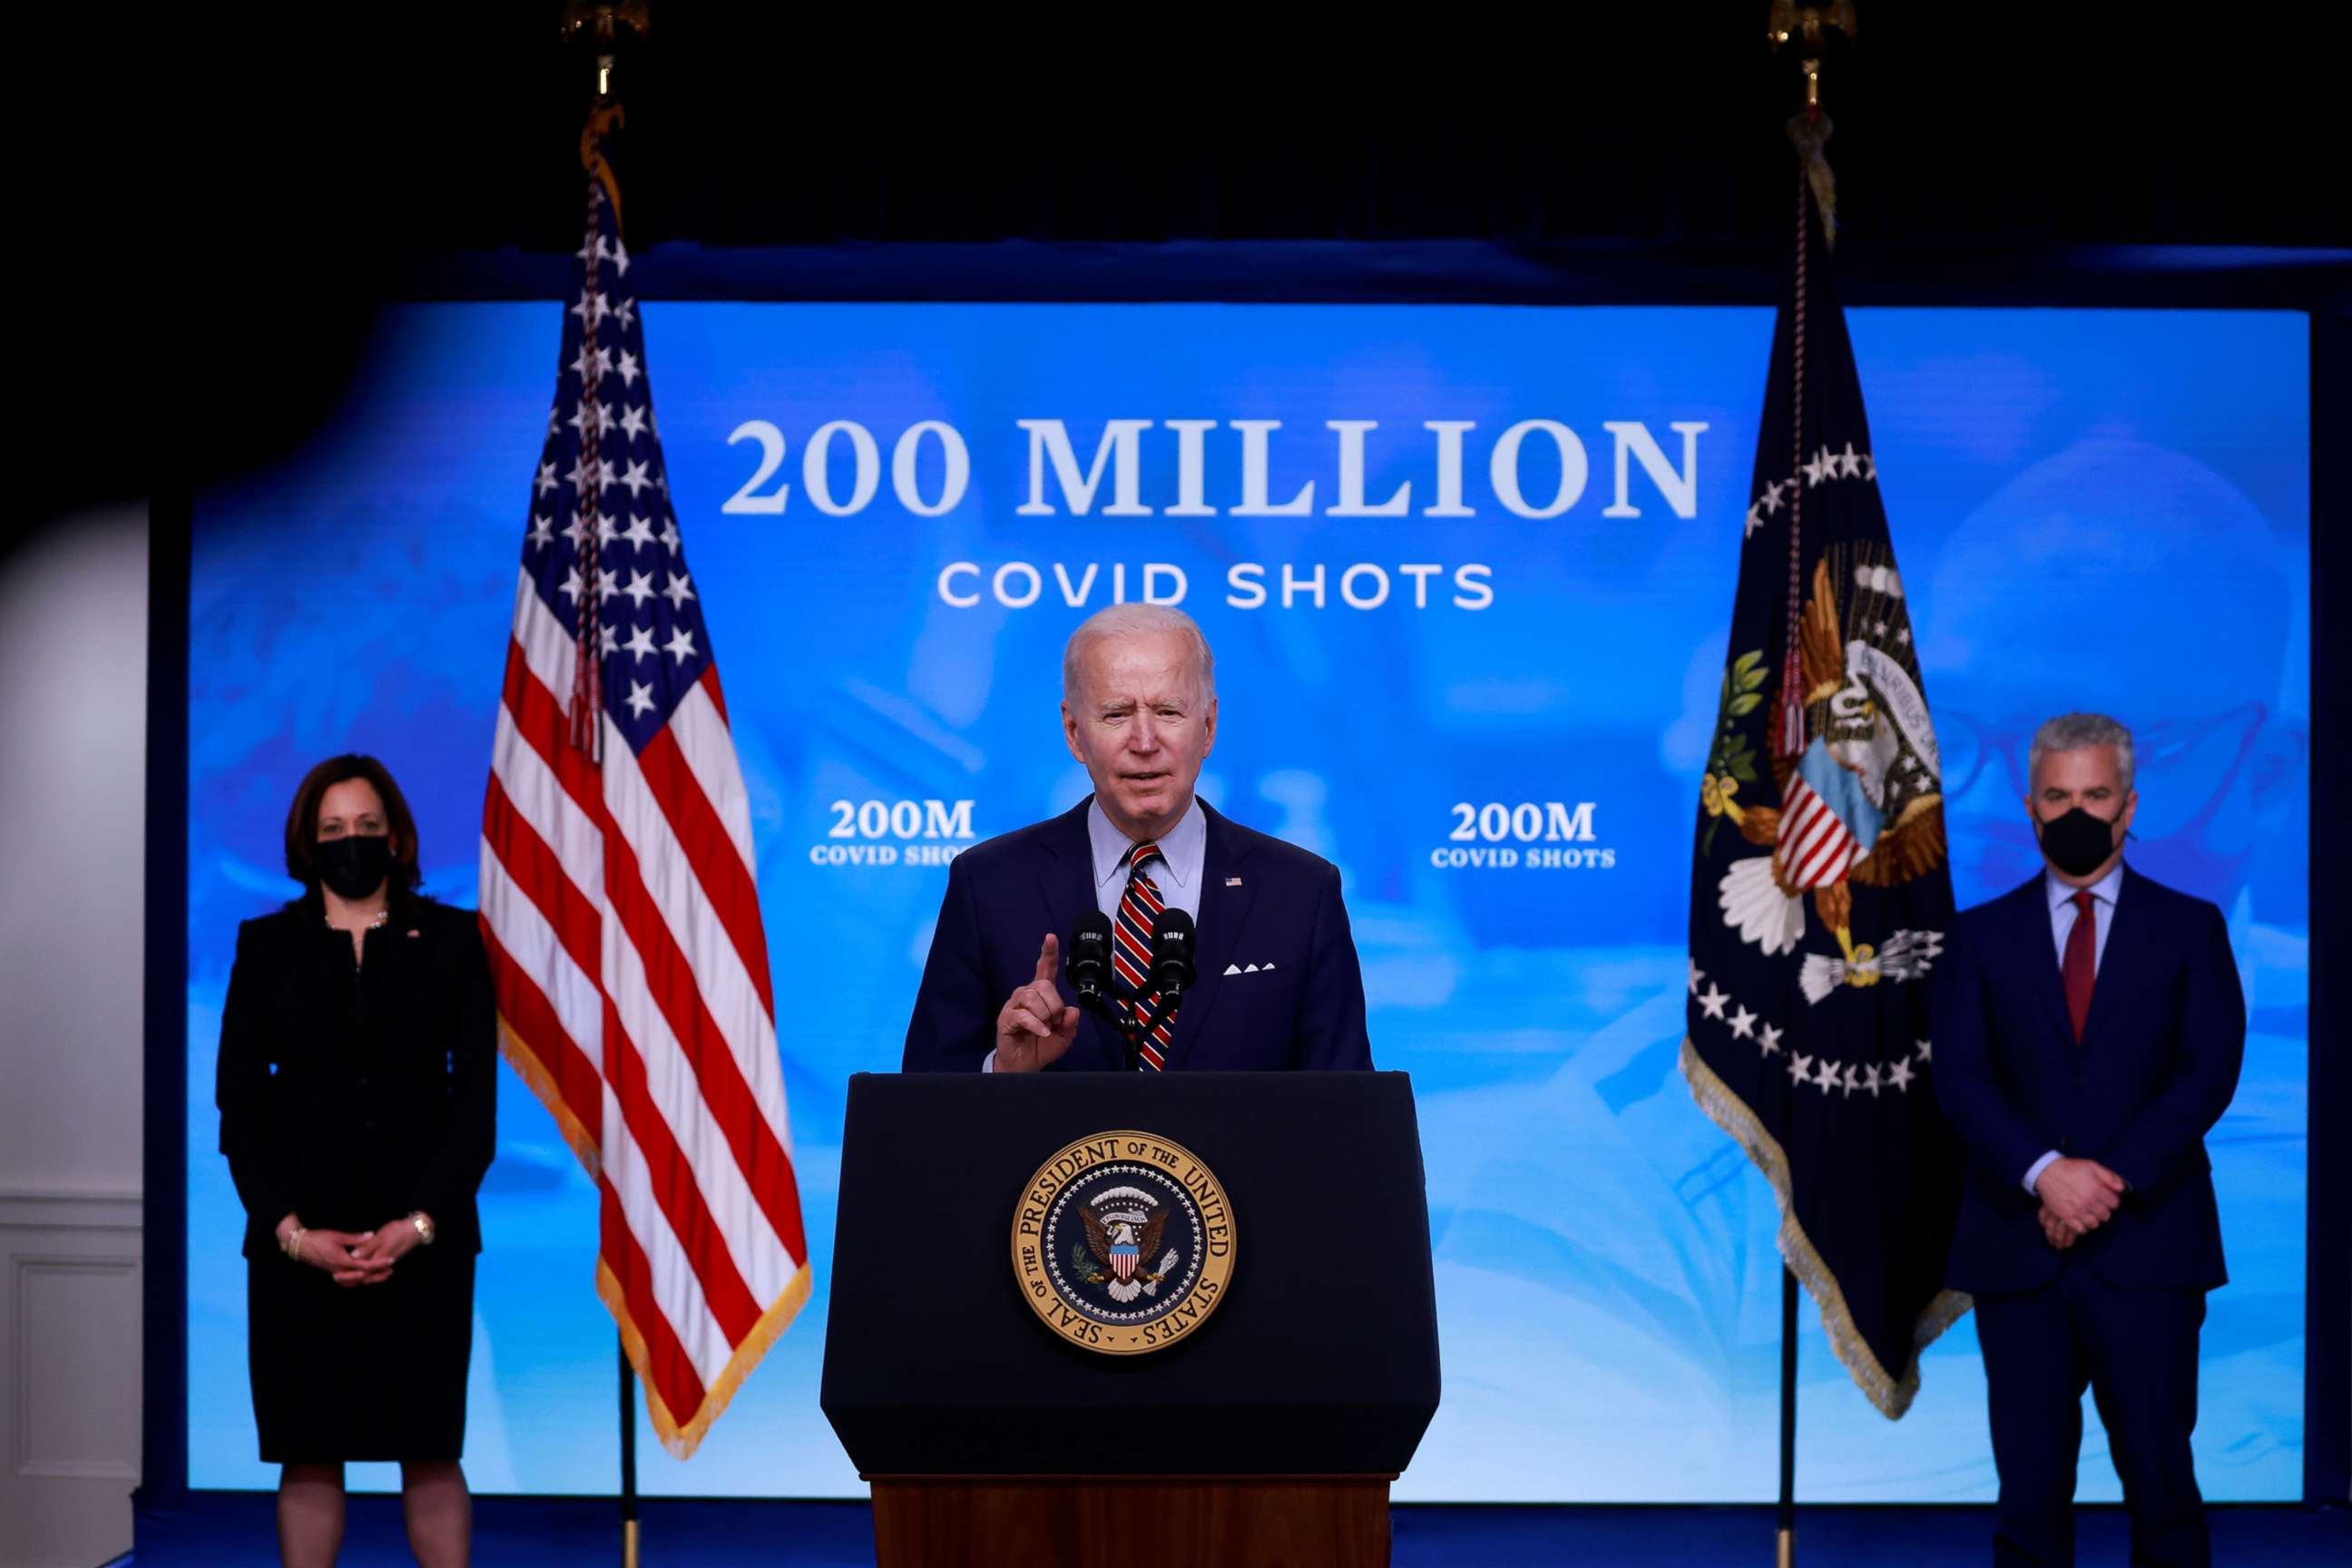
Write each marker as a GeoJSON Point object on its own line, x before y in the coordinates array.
{"type": "Point", "coordinates": [628, 1461]}
{"type": "Point", "coordinates": [599, 22]}
{"type": "Point", "coordinates": [1786, 1555]}
{"type": "Point", "coordinates": [1806, 27]}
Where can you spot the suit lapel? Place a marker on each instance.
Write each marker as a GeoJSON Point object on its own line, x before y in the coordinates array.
{"type": "Point", "coordinates": [1224, 910]}
{"type": "Point", "coordinates": [2040, 956]}
{"type": "Point", "coordinates": [1065, 875]}
{"type": "Point", "coordinates": [2124, 932]}
{"type": "Point", "coordinates": [1066, 881]}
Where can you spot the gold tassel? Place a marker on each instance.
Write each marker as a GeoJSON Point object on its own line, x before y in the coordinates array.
{"type": "Point", "coordinates": [603, 119]}
{"type": "Point", "coordinates": [1810, 132]}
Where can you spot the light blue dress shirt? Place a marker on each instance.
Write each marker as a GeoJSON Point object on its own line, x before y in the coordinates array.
{"type": "Point", "coordinates": [2063, 916]}
{"type": "Point", "coordinates": [1184, 851]}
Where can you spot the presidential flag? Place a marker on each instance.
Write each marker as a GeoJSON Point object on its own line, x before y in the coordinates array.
{"type": "Point", "coordinates": [617, 891]}
{"type": "Point", "coordinates": [1819, 895]}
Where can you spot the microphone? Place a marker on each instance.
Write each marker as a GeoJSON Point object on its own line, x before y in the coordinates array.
{"type": "Point", "coordinates": [1172, 953]}
{"type": "Point", "coordinates": [1090, 960]}
{"type": "Point", "coordinates": [1171, 965]}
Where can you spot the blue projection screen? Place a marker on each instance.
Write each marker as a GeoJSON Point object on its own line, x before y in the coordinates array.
{"type": "Point", "coordinates": [1483, 686]}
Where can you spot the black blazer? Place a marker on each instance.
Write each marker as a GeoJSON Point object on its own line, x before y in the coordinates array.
{"type": "Point", "coordinates": [2156, 1067]}
{"type": "Point", "coordinates": [352, 1099]}
{"type": "Point", "coordinates": [1279, 985]}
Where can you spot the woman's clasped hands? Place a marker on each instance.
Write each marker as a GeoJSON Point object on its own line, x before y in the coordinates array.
{"type": "Point", "coordinates": [351, 1257]}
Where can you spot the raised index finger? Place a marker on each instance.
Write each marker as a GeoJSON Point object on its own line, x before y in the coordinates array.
{"type": "Point", "coordinates": [1049, 958]}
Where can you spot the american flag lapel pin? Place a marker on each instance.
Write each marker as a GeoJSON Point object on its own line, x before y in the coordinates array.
{"type": "Point", "coordinates": [1233, 882]}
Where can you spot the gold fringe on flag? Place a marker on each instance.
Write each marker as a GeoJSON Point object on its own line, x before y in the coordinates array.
{"type": "Point", "coordinates": [534, 1073]}
{"type": "Point", "coordinates": [1891, 1395]}
{"type": "Point", "coordinates": [681, 1439]}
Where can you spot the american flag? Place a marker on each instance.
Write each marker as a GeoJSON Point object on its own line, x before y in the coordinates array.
{"type": "Point", "coordinates": [617, 895]}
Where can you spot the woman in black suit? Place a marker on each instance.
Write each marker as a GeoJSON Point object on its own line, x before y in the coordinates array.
{"type": "Point", "coordinates": [357, 1091]}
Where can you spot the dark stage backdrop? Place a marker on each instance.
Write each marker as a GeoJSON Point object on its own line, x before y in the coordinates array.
{"type": "Point", "coordinates": [1488, 700]}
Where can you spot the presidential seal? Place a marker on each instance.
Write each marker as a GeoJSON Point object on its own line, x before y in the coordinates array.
{"type": "Point", "coordinates": [1123, 1243]}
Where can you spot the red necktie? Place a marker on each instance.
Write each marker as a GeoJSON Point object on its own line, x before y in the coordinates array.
{"type": "Point", "coordinates": [1130, 958]}
{"type": "Point", "coordinates": [2079, 970]}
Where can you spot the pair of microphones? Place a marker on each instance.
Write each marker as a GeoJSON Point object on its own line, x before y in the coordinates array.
{"type": "Point", "coordinates": [1170, 973]}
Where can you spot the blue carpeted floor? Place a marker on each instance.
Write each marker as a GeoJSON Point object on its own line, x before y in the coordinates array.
{"type": "Point", "coordinates": [217, 1529]}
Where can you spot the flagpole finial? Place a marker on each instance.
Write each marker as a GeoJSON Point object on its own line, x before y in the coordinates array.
{"type": "Point", "coordinates": [601, 20]}
{"type": "Point", "coordinates": [1806, 25]}
{"type": "Point", "coordinates": [608, 26]}
{"type": "Point", "coordinates": [1813, 31]}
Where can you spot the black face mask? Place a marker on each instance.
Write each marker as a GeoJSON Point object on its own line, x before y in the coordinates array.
{"type": "Point", "coordinates": [2078, 843]}
{"type": "Point", "coordinates": [354, 866]}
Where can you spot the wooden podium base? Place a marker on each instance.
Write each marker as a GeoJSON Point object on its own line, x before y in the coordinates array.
{"type": "Point", "coordinates": [1132, 1522]}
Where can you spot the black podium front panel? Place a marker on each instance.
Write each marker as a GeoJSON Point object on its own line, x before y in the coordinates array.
{"type": "Point", "coordinates": [1321, 1358]}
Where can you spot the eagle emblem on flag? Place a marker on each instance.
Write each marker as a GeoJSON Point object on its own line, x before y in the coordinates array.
{"type": "Point", "coordinates": [1820, 891]}
{"type": "Point", "coordinates": [1862, 802]}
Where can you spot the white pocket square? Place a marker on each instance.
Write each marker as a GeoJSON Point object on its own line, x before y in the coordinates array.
{"type": "Point", "coordinates": [1247, 968]}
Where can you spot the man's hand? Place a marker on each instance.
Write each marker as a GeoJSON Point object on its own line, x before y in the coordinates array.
{"type": "Point", "coordinates": [1035, 1028]}
{"type": "Point", "coordinates": [2081, 1195]}
{"type": "Point", "coordinates": [2055, 1231]}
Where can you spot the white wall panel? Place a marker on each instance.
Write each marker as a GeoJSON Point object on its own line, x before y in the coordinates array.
{"type": "Point", "coordinates": [73, 792]}
{"type": "Point", "coordinates": [70, 1376]}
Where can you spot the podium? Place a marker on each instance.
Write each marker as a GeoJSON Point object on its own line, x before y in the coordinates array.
{"type": "Point", "coordinates": [957, 1370]}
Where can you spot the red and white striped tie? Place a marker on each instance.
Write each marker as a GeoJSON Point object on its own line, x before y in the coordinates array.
{"type": "Point", "coordinates": [1130, 957]}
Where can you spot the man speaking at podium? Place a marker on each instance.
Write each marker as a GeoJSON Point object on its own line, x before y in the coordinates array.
{"type": "Point", "coordinates": [1201, 946]}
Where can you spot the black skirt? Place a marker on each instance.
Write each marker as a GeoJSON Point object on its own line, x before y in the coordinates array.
{"type": "Point", "coordinates": [374, 1372]}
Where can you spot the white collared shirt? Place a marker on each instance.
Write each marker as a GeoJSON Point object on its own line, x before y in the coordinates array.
{"type": "Point", "coordinates": [2063, 916]}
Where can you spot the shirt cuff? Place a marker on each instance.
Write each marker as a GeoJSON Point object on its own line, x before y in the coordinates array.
{"type": "Point", "coordinates": [988, 1062]}
{"type": "Point", "coordinates": [2032, 1171]}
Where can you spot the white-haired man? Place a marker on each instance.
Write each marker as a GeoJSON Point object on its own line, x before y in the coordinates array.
{"type": "Point", "coordinates": [1278, 984]}
{"type": "Point", "coordinates": [2088, 1031]}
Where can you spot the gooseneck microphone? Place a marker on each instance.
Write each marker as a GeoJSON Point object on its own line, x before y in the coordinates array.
{"type": "Point", "coordinates": [1172, 953]}
{"type": "Point", "coordinates": [1090, 964]}
{"type": "Point", "coordinates": [1171, 963]}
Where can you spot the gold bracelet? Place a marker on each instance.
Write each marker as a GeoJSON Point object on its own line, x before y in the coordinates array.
{"type": "Point", "coordinates": [423, 1226]}
{"type": "Point", "coordinates": [292, 1246]}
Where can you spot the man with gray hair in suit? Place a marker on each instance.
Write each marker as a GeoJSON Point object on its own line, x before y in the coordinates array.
{"type": "Point", "coordinates": [1279, 984]}
{"type": "Point", "coordinates": [2088, 1032]}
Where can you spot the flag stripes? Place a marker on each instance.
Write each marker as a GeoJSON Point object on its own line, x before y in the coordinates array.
{"type": "Point", "coordinates": [1816, 848]}
{"type": "Point", "coordinates": [619, 901]}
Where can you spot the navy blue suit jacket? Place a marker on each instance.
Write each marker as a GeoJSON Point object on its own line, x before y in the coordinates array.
{"type": "Point", "coordinates": [1262, 902]}
{"type": "Point", "coordinates": [2156, 1067]}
